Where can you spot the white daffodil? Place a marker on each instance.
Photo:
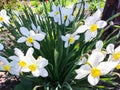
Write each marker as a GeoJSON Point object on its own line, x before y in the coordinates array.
{"type": "Point", "coordinates": [55, 13]}
{"type": "Point", "coordinates": [92, 24]}
{"type": "Point", "coordinates": [95, 68]}
{"type": "Point", "coordinates": [27, 63]}
{"type": "Point", "coordinates": [20, 59]}
{"type": "Point", "coordinates": [37, 67]}
{"type": "Point", "coordinates": [30, 37]}
{"type": "Point", "coordinates": [66, 15]}
{"type": "Point", "coordinates": [4, 17]}
{"type": "Point", "coordinates": [1, 46]}
{"type": "Point", "coordinates": [69, 39]}
{"type": "Point", "coordinates": [114, 52]}
{"type": "Point", "coordinates": [9, 66]}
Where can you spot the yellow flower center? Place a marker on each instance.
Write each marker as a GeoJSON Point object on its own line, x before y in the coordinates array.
{"type": "Point", "coordinates": [116, 56]}
{"type": "Point", "coordinates": [32, 67]}
{"type": "Point", "coordinates": [95, 72]}
{"type": "Point", "coordinates": [93, 28]}
{"type": "Point", "coordinates": [56, 13]}
{"type": "Point", "coordinates": [118, 66]}
{"type": "Point", "coordinates": [22, 63]}
{"type": "Point", "coordinates": [30, 39]}
{"type": "Point", "coordinates": [71, 40]}
{"type": "Point", "coordinates": [65, 17]}
{"type": "Point", "coordinates": [1, 18]}
{"type": "Point", "coordinates": [6, 67]}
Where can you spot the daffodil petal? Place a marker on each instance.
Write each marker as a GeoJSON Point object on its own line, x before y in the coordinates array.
{"type": "Point", "coordinates": [39, 37]}
{"type": "Point", "coordinates": [93, 81]}
{"type": "Point", "coordinates": [95, 58]}
{"type": "Point", "coordinates": [14, 58]}
{"type": "Point", "coordinates": [21, 39]}
{"type": "Point", "coordinates": [42, 62]}
{"type": "Point", "coordinates": [36, 45]}
{"type": "Point", "coordinates": [82, 29]}
{"type": "Point", "coordinates": [106, 67]}
{"type": "Point", "coordinates": [99, 45]}
{"type": "Point", "coordinates": [87, 36]}
{"type": "Point", "coordinates": [101, 24]}
{"type": "Point", "coordinates": [24, 31]}
{"type": "Point", "coordinates": [83, 71]}
{"type": "Point", "coordinates": [29, 44]}
{"type": "Point", "coordinates": [110, 48]}
{"type": "Point", "coordinates": [36, 73]}
{"type": "Point", "coordinates": [43, 72]}
{"type": "Point", "coordinates": [117, 49]}
{"type": "Point", "coordinates": [18, 52]}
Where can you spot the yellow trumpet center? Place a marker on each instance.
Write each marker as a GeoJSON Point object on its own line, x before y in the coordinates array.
{"type": "Point", "coordinates": [6, 67]}
{"type": "Point", "coordinates": [30, 39]}
{"type": "Point", "coordinates": [32, 67]}
{"type": "Point", "coordinates": [22, 63]}
{"type": "Point", "coordinates": [93, 28]}
{"type": "Point", "coordinates": [56, 12]}
{"type": "Point", "coordinates": [118, 66]}
{"type": "Point", "coordinates": [1, 18]}
{"type": "Point", "coordinates": [71, 40]}
{"type": "Point", "coordinates": [65, 17]}
{"type": "Point", "coordinates": [116, 56]}
{"type": "Point", "coordinates": [95, 72]}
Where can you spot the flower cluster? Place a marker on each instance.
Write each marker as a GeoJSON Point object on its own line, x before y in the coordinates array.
{"type": "Point", "coordinates": [59, 45]}
{"type": "Point", "coordinates": [62, 15]}
{"type": "Point", "coordinates": [24, 63]}
{"type": "Point", "coordinates": [95, 66]}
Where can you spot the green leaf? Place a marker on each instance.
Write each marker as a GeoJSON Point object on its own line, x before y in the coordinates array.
{"type": "Point", "coordinates": [19, 87]}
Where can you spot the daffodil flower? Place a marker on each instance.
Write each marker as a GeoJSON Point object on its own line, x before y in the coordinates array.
{"type": "Point", "coordinates": [69, 39]}
{"type": "Point", "coordinates": [55, 13]}
{"type": "Point", "coordinates": [66, 15]}
{"type": "Point", "coordinates": [30, 37]}
{"type": "Point", "coordinates": [20, 59]}
{"type": "Point", "coordinates": [95, 68]}
{"type": "Point", "coordinates": [1, 46]}
{"type": "Point", "coordinates": [9, 66]}
{"type": "Point", "coordinates": [4, 17]}
{"type": "Point", "coordinates": [37, 67]}
{"type": "Point", "coordinates": [92, 24]}
{"type": "Point", "coordinates": [114, 52]}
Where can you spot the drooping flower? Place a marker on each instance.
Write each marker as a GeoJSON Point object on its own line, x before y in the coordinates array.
{"type": "Point", "coordinates": [1, 46]}
{"type": "Point", "coordinates": [4, 17]}
{"type": "Point", "coordinates": [69, 39]}
{"type": "Point", "coordinates": [95, 68]}
{"type": "Point", "coordinates": [92, 24]}
{"type": "Point", "coordinates": [114, 52]}
{"type": "Point", "coordinates": [30, 37]}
